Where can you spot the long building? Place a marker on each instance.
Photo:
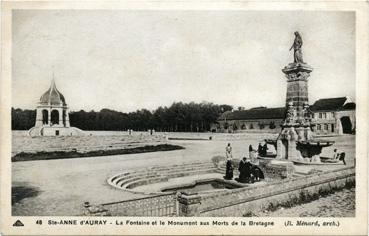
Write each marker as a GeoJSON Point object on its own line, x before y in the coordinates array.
{"type": "Point", "coordinates": [330, 116]}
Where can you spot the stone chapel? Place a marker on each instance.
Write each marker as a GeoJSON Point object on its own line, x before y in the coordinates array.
{"type": "Point", "coordinates": [52, 115]}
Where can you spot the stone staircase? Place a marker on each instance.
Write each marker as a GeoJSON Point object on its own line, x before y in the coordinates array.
{"type": "Point", "coordinates": [129, 180]}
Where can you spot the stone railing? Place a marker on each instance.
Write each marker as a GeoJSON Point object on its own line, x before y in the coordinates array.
{"type": "Point", "coordinates": [164, 204]}
{"type": "Point", "coordinates": [238, 202]}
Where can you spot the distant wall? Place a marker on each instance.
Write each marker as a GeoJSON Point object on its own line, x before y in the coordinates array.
{"type": "Point", "coordinates": [256, 125]}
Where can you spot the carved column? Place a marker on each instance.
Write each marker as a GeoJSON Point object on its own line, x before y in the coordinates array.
{"type": "Point", "coordinates": [297, 87]}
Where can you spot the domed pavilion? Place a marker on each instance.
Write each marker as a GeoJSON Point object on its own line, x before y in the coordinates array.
{"type": "Point", "coordinates": [52, 117]}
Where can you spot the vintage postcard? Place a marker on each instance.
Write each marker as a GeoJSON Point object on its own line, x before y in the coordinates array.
{"type": "Point", "coordinates": [186, 118]}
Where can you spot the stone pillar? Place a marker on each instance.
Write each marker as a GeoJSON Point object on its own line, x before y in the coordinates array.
{"type": "Point", "coordinates": [291, 150]}
{"type": "Point", "coordinates": [66, 110]}
{"type": "Point", "coordinates": [38, 117]}
{"type": "Point", "coordinates": [60, 111]}
{"type": "Point", "coordinates": [49, 117]}
{"type": "Point", "coordinates": [297, 87]}
{"type": "Point", "coordinates": [189, 204]}
{"type": "Point", "coordinates": [279, 149]}
{"type": "Point", "coordinates": [297, 119]}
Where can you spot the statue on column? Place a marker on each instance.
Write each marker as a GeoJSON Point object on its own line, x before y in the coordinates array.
{"type": "Point", "coordinates": [297, 44]}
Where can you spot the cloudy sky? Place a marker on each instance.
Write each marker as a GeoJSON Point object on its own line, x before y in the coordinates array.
{"type": "Point", "coordinates": [128, 60]}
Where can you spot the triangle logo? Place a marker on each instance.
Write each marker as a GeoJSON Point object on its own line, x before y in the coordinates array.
{"type": "Point", "coordinates": [18, 223]}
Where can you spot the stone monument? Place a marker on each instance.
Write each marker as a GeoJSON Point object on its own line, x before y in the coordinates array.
{"type": "Point", "coordinates": [296, 141]}
{"type": "Point", "coordinates": [52, 115]}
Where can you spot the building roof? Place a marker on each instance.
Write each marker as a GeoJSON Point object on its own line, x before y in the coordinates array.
{"type": "Point", "coordinates": [333, 104]}
{"type": "Point", "coordinates": [52, 96]}
{"type": "Point", "coordinates": [326, 104]}
{"type": "Point", "coordinates": [255, 113]}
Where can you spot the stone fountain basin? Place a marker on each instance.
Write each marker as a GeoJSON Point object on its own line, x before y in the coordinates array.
{"type": "Point", "coordinates": [203, 185]}
{"type": "Point", "coordinates": [296, 162]}
{"type": "Point", "coordinates": [316, 142]}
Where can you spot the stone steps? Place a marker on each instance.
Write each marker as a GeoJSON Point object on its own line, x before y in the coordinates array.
{"type": "Point", "coordinates": [169, 174]}
{"type": "Point", "coordinates": [129, 180]}
{"type": "Point", "coordinates": [165, 170]}
{"type": "Point", "coordinates": [141, 182]}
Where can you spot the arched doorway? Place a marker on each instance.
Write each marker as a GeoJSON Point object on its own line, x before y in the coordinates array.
{"type": "Point", "coordinates": [54, 117]}
{"type": "Point", "coordinates": [346, 125]}
{"type": "Point", "coordinates": [45, 117]}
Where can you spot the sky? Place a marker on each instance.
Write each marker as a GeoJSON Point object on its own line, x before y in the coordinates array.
{"type": "Point", "coordinates": [127, 60]}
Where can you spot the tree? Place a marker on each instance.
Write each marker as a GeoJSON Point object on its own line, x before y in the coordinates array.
{"type": "Point", "coordinates": [181, 117]}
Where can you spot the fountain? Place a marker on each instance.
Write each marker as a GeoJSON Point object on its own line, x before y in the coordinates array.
{"type": "Point", "coordinates": [296, 140]}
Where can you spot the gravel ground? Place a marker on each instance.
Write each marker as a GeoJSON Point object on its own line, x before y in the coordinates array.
{"type": "Point", "coordinates": [338, 204]}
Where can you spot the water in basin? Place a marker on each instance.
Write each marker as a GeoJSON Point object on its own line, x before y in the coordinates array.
{"type": "Point", "coordinates": [201, 186]}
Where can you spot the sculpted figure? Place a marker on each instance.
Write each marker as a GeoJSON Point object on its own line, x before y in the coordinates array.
{"type": "Point", "coordinates": [291, 113]}
{"type": "Point", "coordinates": [297, 44]}
{"type": "Point", "coordinates": [306, 112]}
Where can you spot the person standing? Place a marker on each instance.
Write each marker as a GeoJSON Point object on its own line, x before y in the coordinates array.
{"type": "Point", "coordinates": [252, 153]}
{"type": "Point", "coordinates": [251, 148]}
{"type": "Point", "coordinates": [336, 154]}
{"type": "Point", "coordinates": [229, 151]}
{"type": "Point", "coordinates": [260, 149]}
{"type": "Point", "coordinates": [244, 168]}
{"type": "Point", "coordinates": [229, 167]}
{"type": "Point", "coordinates": [265, 148]}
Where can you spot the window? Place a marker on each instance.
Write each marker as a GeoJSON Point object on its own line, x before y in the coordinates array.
{"type": "Point", "coordinates": [324, 115]}
{"type": "Point", "coordinates": [325, 126]}
{"type": "Point", "coordinates": [332, 128]}
{"type": "Point", "coordinates": [56, 132]}
{"type": "Point", "coordinates": [312, 115]}
{"type": "Point", "coordinates": [332, 115]}
{"type": "Point", "coordinates": [318, 127]}
{"type": "Point", "coordinates": [320, 115]}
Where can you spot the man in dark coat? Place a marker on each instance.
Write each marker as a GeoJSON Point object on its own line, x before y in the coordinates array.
{"type": "Point", "coordinates": [260, 149]}
{"type": "Point", "coordinates": [229, 170]}
{"type": "Point", "coordinates": [245, 170]}
{"type": "Point", "coordinates": [265, 148]}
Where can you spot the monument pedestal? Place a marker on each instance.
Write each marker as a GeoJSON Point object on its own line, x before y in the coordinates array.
{"type": "Point", "coordinates": [297, 123]}
{"type": "Point", "coordinates": [295, 142]}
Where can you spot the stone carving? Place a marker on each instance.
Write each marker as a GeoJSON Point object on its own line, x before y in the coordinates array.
{"type": "Point", "coordinates": [298, 76]}
{"type": "Point", "coordinates": [306, 112]}
{"type": "Point", "coordinates": [291, 114]}
{"type": "Point", "coordinates": [297, 44]}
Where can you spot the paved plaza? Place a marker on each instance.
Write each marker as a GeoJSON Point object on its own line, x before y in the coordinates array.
{"type": "Point", "coordinates": [59, 187]}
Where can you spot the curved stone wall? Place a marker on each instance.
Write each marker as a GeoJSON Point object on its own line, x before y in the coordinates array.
{"type": "Point", "coordinates": [129, 180]}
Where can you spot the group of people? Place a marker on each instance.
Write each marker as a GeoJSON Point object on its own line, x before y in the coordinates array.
{"type": "Point", "coordinates": [262, 149]}
{"type": "Point", "coordinates": [248, 173]}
